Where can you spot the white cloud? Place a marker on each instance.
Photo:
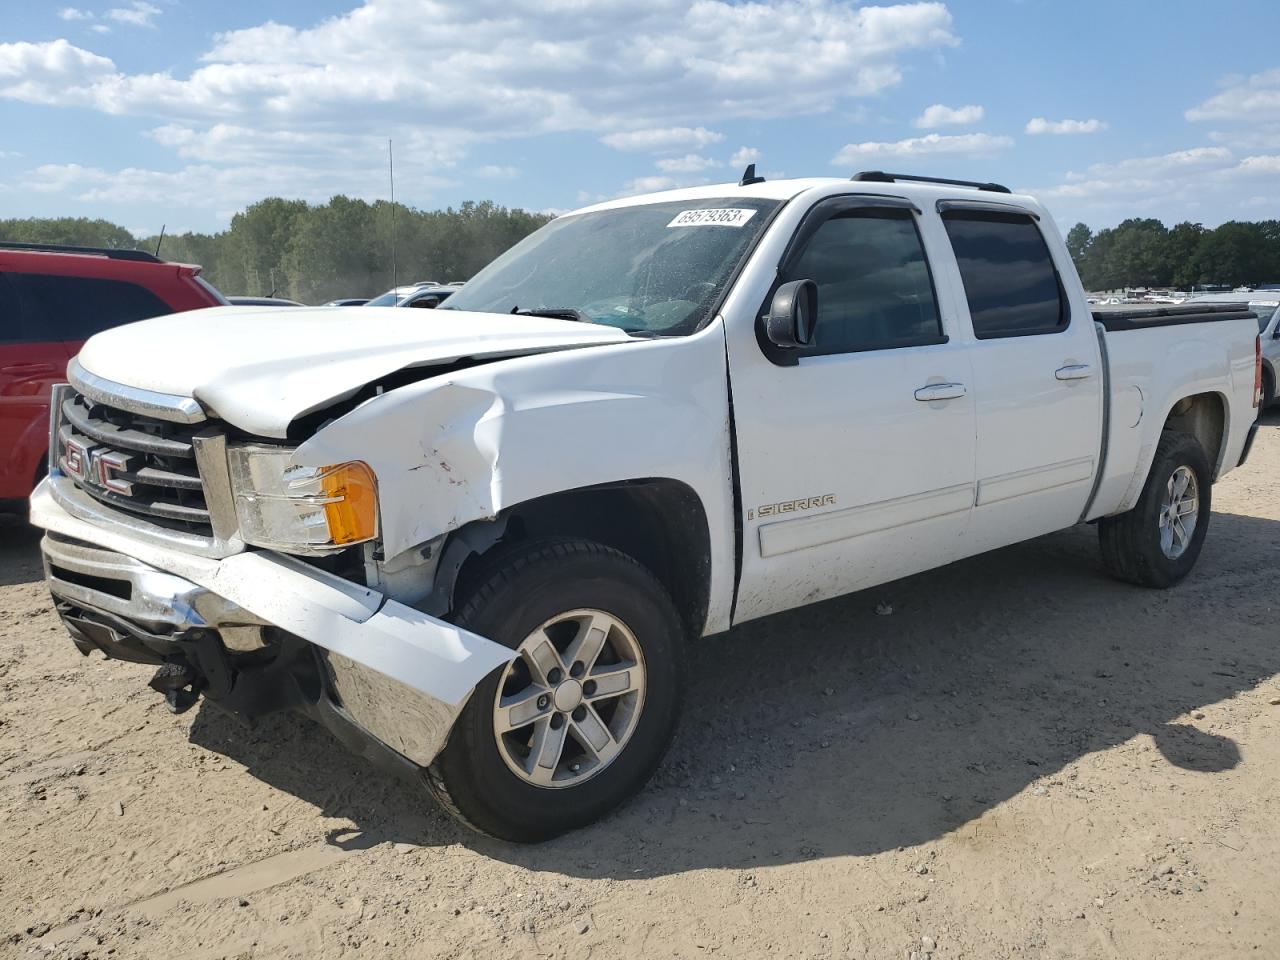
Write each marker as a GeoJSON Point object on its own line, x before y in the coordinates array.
{"type": "Point", "coordinates": [100, 28]}
{"type": "Point", "coordinates": [939, 115]}
{"type": "Point", "coordinates": [204, 186]}
{"type": "Point", "coordinates": [975, 144]}
{"type": "Point", "coordinates": [1039, 125]}
{"type": "Point", "coordinates": [744, 155]}
{"type": "Point", "coordinates": [642, 75]}
{"type": "Point", "coordinates": [1266, 165]}
{"type": "Point", "coordinates": [662, 139]}
{"type": "Point", "coordinates": [1196, 158]}
{"type": "Point", "coordinates": [647, 185]}
{"type": "Point", "coordinates": [1198, 183]}
{"type": "Point", "coordinates": [139, 13]}
{"type": "Point", "coordinates": [74, 13]}
{"type": "Point", "coordinates": [1253, 99]}
{"type": "Point", "coordinates": [522, 67]}
{"type": "Point", "coordinates": [689, 163]}
{"type": "Point", "coordinates": [492, 171]}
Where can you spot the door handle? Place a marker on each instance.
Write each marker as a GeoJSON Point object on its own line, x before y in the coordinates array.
{"type": "Point", "coordinates": [940, 391]}
{"type": "Point", "coordinates": [27, 368]}
{"type": "Point", "coordinates": [1074, 371]}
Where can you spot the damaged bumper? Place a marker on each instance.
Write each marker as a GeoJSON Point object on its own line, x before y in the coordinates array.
{"type": "Point", "coordinates": [258, 632]}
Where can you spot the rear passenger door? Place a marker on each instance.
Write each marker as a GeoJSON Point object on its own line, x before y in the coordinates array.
{"type": "Point", "coordinates": [30, 363]}
{"type": "Point", "coordinates": [1037, 376]}
{"type": "Point", "coordinates": [855, 453]}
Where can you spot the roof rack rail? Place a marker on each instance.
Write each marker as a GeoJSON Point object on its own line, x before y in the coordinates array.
{"type": "Point", "coordinates": [67, 248]}
{"type": "Point", "coordinates": [877, 176]}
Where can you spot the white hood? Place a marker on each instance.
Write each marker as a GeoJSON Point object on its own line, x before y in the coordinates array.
{"type": "Point", "coordinates": [262, 368]}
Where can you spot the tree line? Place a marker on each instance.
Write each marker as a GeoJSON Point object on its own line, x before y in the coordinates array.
{"type": "Point", "coordinates": [1146, 253]}
{"type": "Point", "coordinates": [342, 248]}
{"type": "Point", "coordinates": [315, 252]}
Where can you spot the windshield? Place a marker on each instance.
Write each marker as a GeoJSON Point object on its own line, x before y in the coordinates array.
{"type": "Point", "coordinates": [388, 299]}
{"type": "Point", "coordinates": [655, 268]}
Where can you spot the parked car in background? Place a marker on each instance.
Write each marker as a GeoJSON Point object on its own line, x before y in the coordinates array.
{"type": "Point", "coordinates": [52, 299]}
{"type": "Point", "coordinates": [1266, 305]}
{"type": "Point", "coordinates": [429, 297]}
{"type": "Point", "coordinates": [393, 296]}
{"type": "Point", "coordinates": [263, 302]}
{"type": "Point", "coordinates": [348, 302]}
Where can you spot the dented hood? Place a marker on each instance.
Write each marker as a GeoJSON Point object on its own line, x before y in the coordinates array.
{"type": "Point", "coordinates": [262, 368]}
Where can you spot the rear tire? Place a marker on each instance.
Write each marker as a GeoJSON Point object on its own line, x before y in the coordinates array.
{"type": "Point", "coordinates": [545, 745]}
{"type": "Point", "coordinates": [1156, 543]}
{"type": "Point", "coordinates": [1268, 390]}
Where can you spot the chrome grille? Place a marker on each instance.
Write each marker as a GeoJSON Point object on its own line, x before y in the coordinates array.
{"type": "Point", "coordinates": [134, 463]}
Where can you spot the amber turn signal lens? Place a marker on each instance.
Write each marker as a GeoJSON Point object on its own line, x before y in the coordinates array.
{"type": "Point", "coordinates": [351, 495]}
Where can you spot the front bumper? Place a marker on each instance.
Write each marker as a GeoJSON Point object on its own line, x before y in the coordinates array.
{"type": "Point", "coordinates": [266, 632]}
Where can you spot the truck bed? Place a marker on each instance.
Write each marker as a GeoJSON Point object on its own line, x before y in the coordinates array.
{"type": "Point", "coordinates": [1135, 317]}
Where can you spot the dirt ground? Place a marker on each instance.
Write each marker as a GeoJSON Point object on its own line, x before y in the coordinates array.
{"type": "Point", "coordinates": [1024, 759]}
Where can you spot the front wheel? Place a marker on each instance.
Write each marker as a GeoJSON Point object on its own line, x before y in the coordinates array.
{"type": "Point", "coordinates": [1156, 543]}
{"type": "Point", "coordinates": [579, 720]}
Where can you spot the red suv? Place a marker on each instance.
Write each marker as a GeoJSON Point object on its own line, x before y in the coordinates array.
{"type": "Point", "coordinates": [52, 299]}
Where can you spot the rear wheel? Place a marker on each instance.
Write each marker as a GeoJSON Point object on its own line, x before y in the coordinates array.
{"type": "Point", "coordinates": [1268, 389]}
{"type": "Point", "coordinates": [580, 719]}
{"type": "Point", "coordinates": [1157, 542]}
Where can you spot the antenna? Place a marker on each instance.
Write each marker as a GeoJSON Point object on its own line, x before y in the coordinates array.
{"type": "Point", "coordinates": [391, 173]}
{"type": "Point", "coordinates": [159, 241]}
{"type": "Point", "coordinates": [749, 176]}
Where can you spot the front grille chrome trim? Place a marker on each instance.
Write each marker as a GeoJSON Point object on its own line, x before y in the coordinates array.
{"type": "Point", "coordinates": [148, 403]}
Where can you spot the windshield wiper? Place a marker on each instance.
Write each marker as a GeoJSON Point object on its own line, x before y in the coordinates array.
{"type": "Point", "coordinates": [554, 313]}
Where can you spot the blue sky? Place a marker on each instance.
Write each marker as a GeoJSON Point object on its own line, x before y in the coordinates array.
{"type": "Point", "coordinates": [182, 112]}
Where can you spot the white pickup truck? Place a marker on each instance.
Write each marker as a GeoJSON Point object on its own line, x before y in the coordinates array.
{"type": "Point", "coordinates": [474, 543]}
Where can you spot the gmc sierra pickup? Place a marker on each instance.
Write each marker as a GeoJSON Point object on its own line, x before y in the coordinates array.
{"type": "Point", "coordinates": [474, 544]}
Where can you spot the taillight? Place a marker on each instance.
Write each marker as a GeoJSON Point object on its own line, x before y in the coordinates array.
{"type": "Point", "coordinates": [1257, 371]}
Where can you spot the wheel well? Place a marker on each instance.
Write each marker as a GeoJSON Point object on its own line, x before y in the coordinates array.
{"type": "Point", "coordinates": [659, 522]}
{"type": "Point", "coordinates": [1202, 416]}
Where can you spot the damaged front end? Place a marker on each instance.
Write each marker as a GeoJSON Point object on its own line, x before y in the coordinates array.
{"type": "Point", "coordinates": [149, 559]}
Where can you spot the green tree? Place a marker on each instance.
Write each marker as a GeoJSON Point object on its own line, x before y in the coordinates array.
{"type": "Point", "coordinates": [76, 231]}
{"type": "Point", "coordinates": [1078, 239]}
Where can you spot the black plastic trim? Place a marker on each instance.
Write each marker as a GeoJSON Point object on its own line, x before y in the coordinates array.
{"type": "Point", "coordinates": [112, 254]}
{"type": "Point", "coordinates": [1121, 320]}
{"type": "Point", "coordinates": [985, 206]}
{"type": "Point", "coordinates": [1248, 444]}
{"type": "Point", "coordinates": [879, 176]}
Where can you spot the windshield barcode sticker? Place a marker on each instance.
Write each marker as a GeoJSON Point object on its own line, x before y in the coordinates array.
{"type": "Point", "coordinates": [719, 217]}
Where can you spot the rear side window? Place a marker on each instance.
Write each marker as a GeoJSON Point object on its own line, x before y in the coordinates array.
{"type": "Point", "coordinates": [1009, 277]}
{"type": "Point", "coordinates": [10, 312]}
{"type": "Point", "coordinates": [874, 287]}
{"type": "Point", "coordinates": [75, 308]}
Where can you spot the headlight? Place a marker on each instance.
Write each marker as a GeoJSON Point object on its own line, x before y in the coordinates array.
{"type": "Point", "coordinates": [286, 507]}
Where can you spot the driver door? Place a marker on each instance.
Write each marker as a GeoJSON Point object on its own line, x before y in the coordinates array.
{"type": "Point", "coordinates": [855, 452]}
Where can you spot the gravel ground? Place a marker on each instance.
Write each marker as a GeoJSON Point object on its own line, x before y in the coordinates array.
{"type": "Point", "coordinates": [1013, 757]}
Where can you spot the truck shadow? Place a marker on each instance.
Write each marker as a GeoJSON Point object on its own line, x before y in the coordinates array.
{"type": "Point", "coordinates": [837, 730]}
{"type": "Point", "coordinates": [19, 551]}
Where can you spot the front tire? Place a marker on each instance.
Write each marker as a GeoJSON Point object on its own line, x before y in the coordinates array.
{"type": "Point", "coordinates": [581, 718]}
{"type": "Point", "coordinates": [1156, 543]}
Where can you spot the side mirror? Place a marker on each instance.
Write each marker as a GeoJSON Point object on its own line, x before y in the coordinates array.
{"type": "Point", "coordinates": [792, 315]}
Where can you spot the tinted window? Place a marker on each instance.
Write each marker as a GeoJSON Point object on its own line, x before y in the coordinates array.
{"type": "Point", "coordinates": [10, 315]}
{"type": "Point", "coordinates": [874, 287]}
{"type": "Point", "coordinates": [75, 308]}
{"type": "Point", "coordinates": [1009, 277]}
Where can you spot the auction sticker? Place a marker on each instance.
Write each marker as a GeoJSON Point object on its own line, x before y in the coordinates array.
{"type": "Point", "coordinates": [717, 217]}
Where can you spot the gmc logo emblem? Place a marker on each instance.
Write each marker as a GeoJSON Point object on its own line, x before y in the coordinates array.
{"type": "Point", "coordinates": [96, 466]}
